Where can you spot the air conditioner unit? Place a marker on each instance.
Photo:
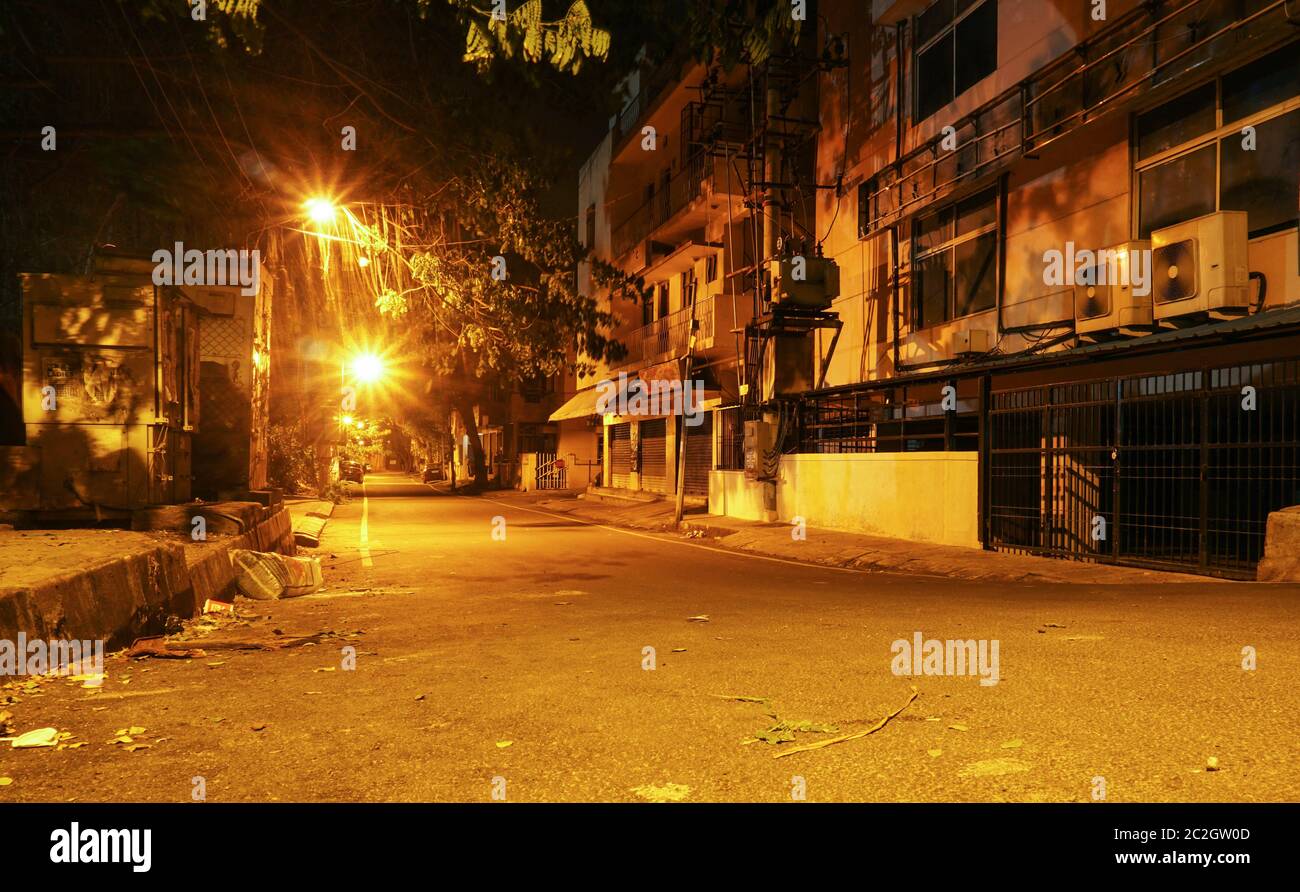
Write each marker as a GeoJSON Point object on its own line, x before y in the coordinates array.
{"type": "Point", "coordinates": [970, 341]}
{"type": "Point", "coordinates": [641, 256]}
{"type": "Point", "coordinates": [1201, 266]}
{"type": "Point", "coordinates": [1104, 300]}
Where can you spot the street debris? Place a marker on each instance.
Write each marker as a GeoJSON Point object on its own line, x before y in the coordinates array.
{"type": "Point", "coordinates": [502, 744]}
{"type": "Point", "coordinates": [666, 793]}
{"type": "Point", "coordinates": [6, 781]}
{"type": "Point", "coordinates": [1212, 763]}
{"type": "Point", "coordinates": [160, 647]}
{"type": "Point", "coordinates": [211, 606]}
{"type": "Point", "coordinates": [935, 753]}
{"type": "Point", "coordinates": [1013, 744]}
{"type": "Point", "coordinates": [740, 698]}
{"type": "Point", "coordinates": [266, 576]}
{"type": "Point", "coordinates": [702, 618]}
{"type": "Point", "coordinates": [38, 737]}
{"type": "Point", "coordinates": [852, 736]}
{"type": "Point", "coordinates": [957, 726]}
{"type": "Point", "coordinates": [784, 731]}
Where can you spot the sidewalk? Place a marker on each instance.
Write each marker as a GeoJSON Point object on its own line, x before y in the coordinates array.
{"type": "Point", "coordinates": [117, 585]}
{"type": "Point", "coordinates": [854, 550]}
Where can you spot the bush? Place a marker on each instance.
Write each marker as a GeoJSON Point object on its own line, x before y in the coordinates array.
{"type": "Point", "coordinates": [290, 460]}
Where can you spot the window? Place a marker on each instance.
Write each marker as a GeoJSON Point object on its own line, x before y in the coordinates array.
{"type": "Point", "coordinates": [590, 227]}
{"type": "Point", "coordinates": [1195, 156]}
{"type": "Point", "coordinates": [711, 268]}
{"type": "Point", "coordinates": [957, 47]}
{"type": "Point", "coordinates": [955, 260]}
{"type": "Point", "coordinates": [688, 287]}
{"type": "Point", "coordinates": [662, 302]}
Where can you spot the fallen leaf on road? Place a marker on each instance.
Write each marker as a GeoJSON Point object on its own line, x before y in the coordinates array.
{"type": "Point", "coordinates": [135, 729]}
{"type": "Point", "coordinates": [137, 746]}
{"type": "Point", "coordinates": [958, 726]}
{"type": "Point", "coordinates": [325, 669]}
{"type": "Point", "coordinates": [216, 664]}
{"type": "Point", "coordinates": [1212, 763]}
{"type": "Point", "coordinates": [679, 650]}
{"type": "Point", "coordinates": [6, 781]}
{"type": "Point", "coordinates": [1013, 744]}
{"type": "Point", "coordinates": [993, 768]}
{"type": "Point", "coordinates": [935, 753]}
{"type": "Point", "coordinates": [502, 744]}
{"type": "Point", "coordinates": [261, 726]}
{"type": "Point", "coordinates": [665, 793]}
{"type": "Point", "coordinates": [702, 618]}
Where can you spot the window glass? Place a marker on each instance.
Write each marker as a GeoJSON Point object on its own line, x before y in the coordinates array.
{"type": "Point", "coordinates": [977, 212]}
{"type": "Point", "coordinates": [932, 278]}
{"type": "Point", "coordinates": [933, 230]}
{"type": "Point", "coordinates": [976, 280]}
{"type": "Point", "coordinates": [934, 73]}
{"type": "Point", "coordinates": [1177, 190]}
{"type": "Point", "coordinates": [1261, 84]}
{"type": "Point", "coordinates": [1182, 119]}
{"type": "Point", "coordinates": [932, 21]}
{"type": "Point", "coordinates": [977, 46]}
{"type": "Point", "coordinates": [1263, 182]}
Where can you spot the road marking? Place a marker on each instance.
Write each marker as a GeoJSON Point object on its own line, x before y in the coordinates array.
{"type": "Point", "coordinates": [365, 529]}
{"type": "Point", "coordinates": [710, 548]}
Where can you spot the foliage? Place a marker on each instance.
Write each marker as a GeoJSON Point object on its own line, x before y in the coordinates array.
{"type": "Point", "coordinates": [290, 459]}
{"type": "Point", "coordinates": [565, 42]}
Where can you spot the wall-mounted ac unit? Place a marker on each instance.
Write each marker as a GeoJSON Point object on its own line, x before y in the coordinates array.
{"type": "Point", "coordinates": [970, 341]}
{"type": "Point", "coordinates": [1104, 298]}
{"type": "Point", "coordinates": [641, 256]}
{"type": "Point", "coordinates": [1201, 266]}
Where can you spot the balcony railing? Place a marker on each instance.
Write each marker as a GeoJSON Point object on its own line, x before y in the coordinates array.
{"type": "Point", "coordinates": [703, 174]}
{"type": "Point", "coordinates": [670, 336]}
{"type": "Point", "coordinates": [1145, 50]}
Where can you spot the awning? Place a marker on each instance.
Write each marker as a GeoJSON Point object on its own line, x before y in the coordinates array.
{"type": "Point", "coordinates": [581, 405]}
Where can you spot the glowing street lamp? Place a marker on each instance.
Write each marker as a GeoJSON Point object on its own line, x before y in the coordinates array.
{"type": "Point", "coordinates": [320, 210]}
{"type": "Point", "coordinates": [367, 368]}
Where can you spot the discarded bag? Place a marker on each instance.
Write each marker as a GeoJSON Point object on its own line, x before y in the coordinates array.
{"type": "Point", "coordinates": [265, 575]}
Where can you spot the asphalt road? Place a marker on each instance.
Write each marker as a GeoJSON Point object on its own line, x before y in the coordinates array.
{"type": "Point", "coordinates": [536, 639]}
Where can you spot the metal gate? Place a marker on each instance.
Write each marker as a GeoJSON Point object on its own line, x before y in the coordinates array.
{"type": "Point", "coordinates": [551, 472]}
{"type": "Point", "coordinates": [620, 454]}
{"type": "Point", "coordinates": [1176, 470]}
{"type": "Point", "coordinates": [654, 459]}
{"type": "Point", "coordinates": [699, 456]}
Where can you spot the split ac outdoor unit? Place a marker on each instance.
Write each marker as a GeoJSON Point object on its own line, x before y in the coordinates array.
{"type": "Point", "coordinates": [971, 341]}
{"type": "Point", "coordinates": [1103, 293]}
{"type": "Point", "coordinates": [1201, 266]}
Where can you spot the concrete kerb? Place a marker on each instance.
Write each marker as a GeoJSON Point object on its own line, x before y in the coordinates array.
{"type": "Point", "coordinates": [134, 594]}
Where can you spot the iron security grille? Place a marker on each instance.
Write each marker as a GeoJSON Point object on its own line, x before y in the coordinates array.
{"type": "Point", "coordinates": [699, 456]}
{"type": "Point", "coordinates": [620, 454]}
{"type": "Point", "coordinates": [1176, 470]}
{"type": "Point", "coordinates": [654, 446]}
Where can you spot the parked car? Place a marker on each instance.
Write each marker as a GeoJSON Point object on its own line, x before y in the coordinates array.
{"type": "Point", "coordinates": [432, 473]}
{"type": "Point", "coordinates": [350, 470]}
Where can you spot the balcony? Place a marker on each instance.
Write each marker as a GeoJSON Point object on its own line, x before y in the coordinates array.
{"type": "Point", "coordinates": [668, 338]}
{"type": "Point", "coordinates": [702, 178]}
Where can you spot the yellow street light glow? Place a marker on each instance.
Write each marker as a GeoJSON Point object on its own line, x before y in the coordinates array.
{"type": "Point", "coordinates": [320, 210]}
{"type": "Point", "coordinates": [347, 420]}
{"type": "Point", "coordinates": [363, 261]}
{"type": "Point", "coordinates": [368, 368]}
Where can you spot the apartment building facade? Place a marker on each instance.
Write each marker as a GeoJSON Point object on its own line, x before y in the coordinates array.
{"type": "Point", "coordinates": [1069, 281]}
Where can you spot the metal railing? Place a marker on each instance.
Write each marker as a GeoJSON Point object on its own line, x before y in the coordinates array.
{"type": "Point", "coordinates": [671, 334]}
{"type": "Point", "coordinates": [1144, 50]}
